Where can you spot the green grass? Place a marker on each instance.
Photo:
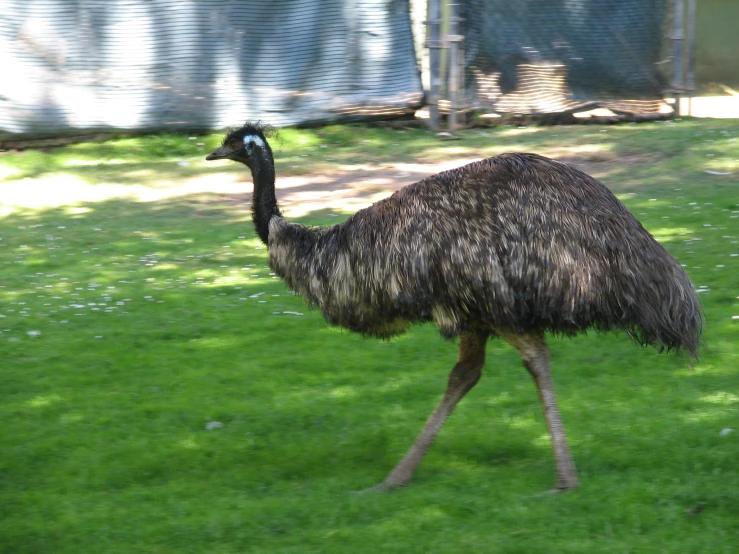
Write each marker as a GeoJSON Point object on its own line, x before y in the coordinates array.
{"type": "Point", "coordinates": [126, 326]}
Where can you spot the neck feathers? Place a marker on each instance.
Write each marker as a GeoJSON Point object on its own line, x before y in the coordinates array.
{"type": "Point", "coordinates": [264, 201]}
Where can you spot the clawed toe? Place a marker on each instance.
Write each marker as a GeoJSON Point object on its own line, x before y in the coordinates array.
{"type": "Point", "coordinates": [382, 487]}
{"type": "Point", "coordinates": [559, 489]}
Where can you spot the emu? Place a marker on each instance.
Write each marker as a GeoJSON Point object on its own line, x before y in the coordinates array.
{"type": "Point", "coordinates": [512, 246]}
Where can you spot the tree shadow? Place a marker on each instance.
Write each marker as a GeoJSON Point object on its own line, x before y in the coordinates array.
{"type": "Point", "coordinates": [173, 286]}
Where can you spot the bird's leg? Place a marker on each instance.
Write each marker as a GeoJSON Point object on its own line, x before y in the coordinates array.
{"type": "Point", "coordinates": [535, 355]}
{"type": "Point", "coordinates": [463, 377]}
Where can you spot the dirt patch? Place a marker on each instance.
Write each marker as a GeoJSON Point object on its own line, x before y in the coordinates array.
{"type": "Point", "coordinates": [603, 163]}
{"type": "Point", "coordinates": [348, 188]}
{"type": "Point", "coordinates": [344, 188]}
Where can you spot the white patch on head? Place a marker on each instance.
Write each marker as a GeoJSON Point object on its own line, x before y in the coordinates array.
{"type": "Point", "coordinates": [256, 139]}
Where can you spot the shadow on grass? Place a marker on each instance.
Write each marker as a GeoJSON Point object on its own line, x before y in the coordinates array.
{"type": "Point", "coordinates": [623, 155]}
{"type": "Point", "coordinates": [185, 276]}
{"type": "Point", "coordinates": [160, 385]}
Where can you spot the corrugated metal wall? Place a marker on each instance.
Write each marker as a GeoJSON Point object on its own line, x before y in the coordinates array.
{"type": "Point", "coordinates": [79, 66]}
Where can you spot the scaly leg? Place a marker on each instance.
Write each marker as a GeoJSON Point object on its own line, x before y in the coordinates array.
{"type": "Point", "coordinates": [535, 355]}
{"type": "Point", "coordinates": [463, 377]}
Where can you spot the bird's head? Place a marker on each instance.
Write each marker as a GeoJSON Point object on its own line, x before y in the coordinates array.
{"type": "Point", "coordinates": [244, 144]}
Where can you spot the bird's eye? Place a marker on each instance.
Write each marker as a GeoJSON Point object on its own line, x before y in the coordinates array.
{"type": "Point", "coordinates": [234, 144]}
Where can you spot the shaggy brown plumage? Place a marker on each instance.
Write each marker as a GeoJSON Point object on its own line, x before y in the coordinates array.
{"type": "Point", "coordinates": [515, 245]}
{"type": "Point", "coordinates": [517, 242]}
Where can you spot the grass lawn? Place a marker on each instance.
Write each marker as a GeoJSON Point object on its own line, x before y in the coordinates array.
{"type": "Point", "coordinates": [162, 392]}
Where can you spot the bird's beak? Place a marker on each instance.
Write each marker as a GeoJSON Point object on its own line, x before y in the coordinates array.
{"type": "Point", "coordinates": [217, 154]}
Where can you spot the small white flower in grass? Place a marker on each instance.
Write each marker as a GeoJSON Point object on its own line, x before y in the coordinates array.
{"type": "Point", "coordinates": [34, 333]}
{"type": "Point", "coordinates": [213, 425]}
{"type": "Point", "coordinates": [256, 295]}
{"type": "Point", "coordinates": [726, 432]}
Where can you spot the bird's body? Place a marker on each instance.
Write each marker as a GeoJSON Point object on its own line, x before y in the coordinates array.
{"type": "Point", "coordinates": [511, 246]}
{"type": "Point", "coordinates": [517, 242]}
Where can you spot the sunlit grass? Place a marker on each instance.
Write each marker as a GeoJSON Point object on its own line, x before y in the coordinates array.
{"type": "Point", "coordinates": [131, 324]}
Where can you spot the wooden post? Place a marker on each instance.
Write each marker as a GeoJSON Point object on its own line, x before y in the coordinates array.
{"type": "Point", "coordinates": [461, 66]}
{"type": "Point", "coordinates": [678, 80]}
{"type": "Point", "coordinates": [453, 67]}
{"type": "Point", "coordinates": [433, 43]}
{"type": "Point", "coordinates": [690, 47]}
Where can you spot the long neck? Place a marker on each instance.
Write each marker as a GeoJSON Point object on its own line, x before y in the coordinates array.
{"type": "Point", "coordinates": [264, 202]}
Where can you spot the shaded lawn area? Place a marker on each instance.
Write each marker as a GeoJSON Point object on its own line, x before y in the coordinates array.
{"type": "Point", "coordinates": [128, 327]}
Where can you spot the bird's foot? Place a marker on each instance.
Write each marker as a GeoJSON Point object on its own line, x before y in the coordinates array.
{"type": "Point", "coordinates": [385, 486]}
{"type": "Point", "coordinates": [550, 492]}
{"type": "Point", "coordinates": [560, 488]}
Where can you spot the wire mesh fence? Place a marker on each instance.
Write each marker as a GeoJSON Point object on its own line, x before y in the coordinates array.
{"type": "Point", "coordinates": [543, 57]}
{"type": "Point", "coordinates": [81, 66]}
{"type": "Point", "coordinates": [85, 66]}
